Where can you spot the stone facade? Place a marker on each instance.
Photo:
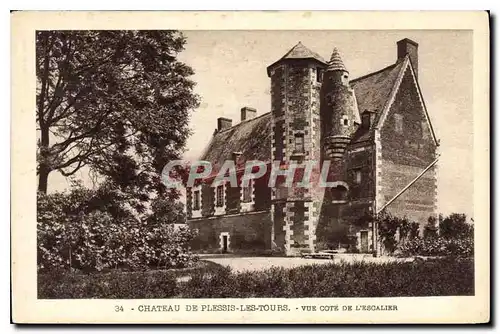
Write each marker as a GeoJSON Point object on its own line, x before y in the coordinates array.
{"type": "Point", "coordinates": [246, 232]}
{"type": "Point", "coordinates": [374, 131]}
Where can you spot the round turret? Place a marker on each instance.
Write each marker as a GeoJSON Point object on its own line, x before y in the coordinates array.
{"type": "Point", "coordinates": [339, 110]}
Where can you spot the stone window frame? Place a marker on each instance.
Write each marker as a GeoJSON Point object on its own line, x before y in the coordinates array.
{"type": "Point", "coordinates": [196, 200]}
{"type": "Point", "coordinates": [299, 146]}
{"type": "Point", "coordinates": [340, 185]}
{"type": "Point", "coordinates": [344, 120]}
{"type": "Point", "coordinates": [219, 196]}
{"type": "Point", "coordinates": [221, 240]}
{"type": "Point", "coordinates": [247, 192]}
{"type": "Point", "coordinates": [319, 74]}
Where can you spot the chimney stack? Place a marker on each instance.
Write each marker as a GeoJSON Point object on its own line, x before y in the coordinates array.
{"type": "Point", "coordinates": [224, 123]}
{"type": "Point", "coordinates": [407, 46]}
{"type": "Point", "coordinates": [248, 113]}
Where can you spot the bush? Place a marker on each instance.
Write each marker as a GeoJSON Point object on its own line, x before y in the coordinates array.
{"type": "Point", "coordinates": [455, 226]}
{"type": "Point", "coordinates": [330, 280]}
{"type": "Point", "coordinates": [439, 246]}
{"type": "Point", "coordinates": [389, 225]}
{"type": "Point", "coordinates": [76, 233]}
{"type": "Point", "coordinates": [154, 284]}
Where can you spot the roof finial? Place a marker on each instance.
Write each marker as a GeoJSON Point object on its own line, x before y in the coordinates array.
{"type": "Point", "coordinates": [336, 63]}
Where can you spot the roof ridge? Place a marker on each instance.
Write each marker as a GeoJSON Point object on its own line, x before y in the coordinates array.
{"type": "Point", "coordinates": [376, 72]}
{"type": "Point", "coordinates": [242, 122]}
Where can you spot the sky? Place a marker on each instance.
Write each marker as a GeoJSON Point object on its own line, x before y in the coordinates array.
{"type": "Point", "coordinates": [230, 69]}
{"type": "Point", "coordinates": [230, 72]}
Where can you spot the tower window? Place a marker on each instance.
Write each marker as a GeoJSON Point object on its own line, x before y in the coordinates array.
{"type": "Point", "coordinates": [196, 200]}
{"type": "Point", "coordinates": [357, 176]}
{"type": "Point", "coordinates": [398, 123]}
{"type": "Point", "coordinates": [299, 143]}
{"type": "Point", "coordinates": [220, 196]}
{"type": "Point", "coordinates": [319, 74]}
{"type": "Point", "coordinates": [344, 121]}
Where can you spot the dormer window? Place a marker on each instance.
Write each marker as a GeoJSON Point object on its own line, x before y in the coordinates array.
{"type": "Point", "coordinates": [365, 120]}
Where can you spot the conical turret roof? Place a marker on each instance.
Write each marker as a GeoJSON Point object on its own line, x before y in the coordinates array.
{"type": "Point", "coordinates": [336, 63]}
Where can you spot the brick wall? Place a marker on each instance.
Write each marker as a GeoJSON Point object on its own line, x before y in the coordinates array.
{"type": "Point", "coordinates": [404, 153]}
{"type": "Point", "coordinates": [247, 232]}
{"type": "Point", "coordinates": [360, 159]}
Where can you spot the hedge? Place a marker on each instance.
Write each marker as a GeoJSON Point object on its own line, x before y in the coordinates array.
{"type": "Point", "coordinates": [443, 277]}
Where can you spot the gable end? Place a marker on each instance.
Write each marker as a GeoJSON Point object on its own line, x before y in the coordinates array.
{"type": "Point", "coordinates": [407, 66]}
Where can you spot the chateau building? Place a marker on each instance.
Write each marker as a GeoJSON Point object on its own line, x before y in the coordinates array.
{"type": "Point", "coordinates": [374, 131]}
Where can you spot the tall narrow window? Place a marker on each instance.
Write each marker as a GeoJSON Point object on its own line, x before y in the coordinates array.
{"type": "Point", "coordinates": [220, 196]}
{"type": "Point", "coordinates": [319, 74]}
{"type": "Point", "coordinates": [398, 123]}
{"type": "Point", "coordinates": [196, 200]}
{"type": "Point", "coordinates": [299, 143]}
{"type": "Point", "coordinates": [357, 176]}
{"type": "Point", "coordinates": [247, 192]}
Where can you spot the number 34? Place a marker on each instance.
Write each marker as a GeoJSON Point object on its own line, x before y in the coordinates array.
{"type": "Point", "coordinates": [118, 308]}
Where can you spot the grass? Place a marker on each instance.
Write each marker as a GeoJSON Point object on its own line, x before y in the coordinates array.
{"type": "Point", "coordinates": [444, 277]}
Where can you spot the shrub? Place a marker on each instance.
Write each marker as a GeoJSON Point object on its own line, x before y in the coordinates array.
{"type": "Point", "coordinates": [455, 226]}
{"type": "Point", "coordinates": [153, 284]}
{"type": "Point", "coordinates": [329, 280]}
{"type": "Point", "coordinates": [439, 246]}
{"type": "Point", "coordinates": [389, 225]}
{"type": "Point", "coordinates": [76, 233]}
{"type": "Point", "coordinates": [431, 228]}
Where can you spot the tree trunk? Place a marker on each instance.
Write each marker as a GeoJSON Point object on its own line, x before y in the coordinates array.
{"type": "Point", "coordinates": [43, 168]}
{"type": "Point", "coordinates": [43, 177]}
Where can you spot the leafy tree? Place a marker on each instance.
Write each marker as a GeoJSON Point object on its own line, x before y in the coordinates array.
{"type": "Point", "coordinates": [115, 101]}
{"type": "Point", "coordinates": [455, 226]}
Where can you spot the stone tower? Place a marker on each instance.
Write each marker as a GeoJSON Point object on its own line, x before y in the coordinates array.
{"type": "Point", "coordinates": [296, 81]}
{"type": "Point", "coordinates": [339, 109]}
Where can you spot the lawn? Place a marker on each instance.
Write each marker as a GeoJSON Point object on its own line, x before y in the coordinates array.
{"type": "Point", "coordinates": [444, 277]}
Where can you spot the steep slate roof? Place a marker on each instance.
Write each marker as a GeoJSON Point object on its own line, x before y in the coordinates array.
{"type": "Point", "coordinates": [372, 93]}
{"type": "Point", "coordinates": [299, 51]}
{"type": "Point", "coordinates": [251, 137]}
